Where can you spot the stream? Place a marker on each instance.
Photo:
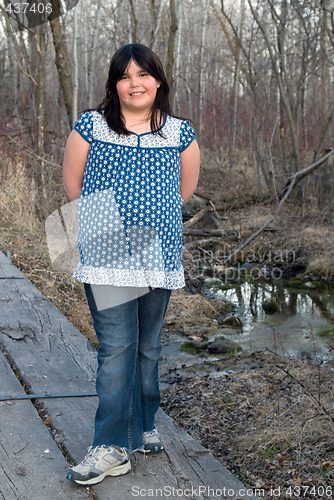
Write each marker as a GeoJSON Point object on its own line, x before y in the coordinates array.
{"type": "Point", "coordinates": [302, 326]}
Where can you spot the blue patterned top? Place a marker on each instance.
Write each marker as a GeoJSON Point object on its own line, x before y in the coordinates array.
{"type": "Point", "coordinates": [129, 210]}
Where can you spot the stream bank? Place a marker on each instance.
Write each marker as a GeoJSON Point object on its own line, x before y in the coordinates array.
{"type": "Point", "coordinates": [268, 417]}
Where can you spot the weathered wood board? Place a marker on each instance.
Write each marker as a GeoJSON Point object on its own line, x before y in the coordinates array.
{"type": "Point", "coordinates": [31, 465]}
{"type": "Point", "coordinates": [183, 470]}
{"type": "Point", "coordinates": [52, 356]}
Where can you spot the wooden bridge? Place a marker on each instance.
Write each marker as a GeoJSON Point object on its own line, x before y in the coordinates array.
{"type": "Point", "coordinates": [47, 408]}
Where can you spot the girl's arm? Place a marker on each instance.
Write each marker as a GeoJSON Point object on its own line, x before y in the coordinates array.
{"type": "Point", "coordinates": [75, 159]}
{"type": "Point", "coordinates": [190, 161]}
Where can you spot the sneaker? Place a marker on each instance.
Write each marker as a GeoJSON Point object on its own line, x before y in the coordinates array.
{"type": "Point", "coordinates": [100, 461]}
{"type": "Point", "coordinates": [152, 442]}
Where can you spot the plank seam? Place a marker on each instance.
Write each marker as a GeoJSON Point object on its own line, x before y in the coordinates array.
{"type": "Point", "coordinates": [48, 396]}
{"type": "Point", "coordinates": [41, 411]}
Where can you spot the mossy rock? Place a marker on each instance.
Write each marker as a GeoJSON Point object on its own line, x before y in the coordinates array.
{"type": "Point", "coordinates": [193, 347]}
{"type": "Point", "coordinates": [222, 345]}
{"type": "Point", "coordinates": [233, 321]}
{"type": "Point", "coordinates": [270, 306]}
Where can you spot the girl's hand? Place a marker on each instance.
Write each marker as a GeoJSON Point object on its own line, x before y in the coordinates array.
{"type": "Point", "coordinates": [190, 161]}
{"type": "Point", "coordinates": [75, 159]}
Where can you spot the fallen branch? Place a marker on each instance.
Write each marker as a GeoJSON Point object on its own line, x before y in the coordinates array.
{"type": "Point", "coordinates": [297, 177]}
{"type": "Point", "coordinates": [219, 221]}
{"type": "Point", "coordinates": [196, 218]}
{"type": "Point", "coordinates": [31, 153]}
{"type": "Point", "coordinates": [204, 232]}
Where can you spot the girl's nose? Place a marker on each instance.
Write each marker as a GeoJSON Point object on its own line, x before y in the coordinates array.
{"type": "Point", "coordinates": [134, 82]}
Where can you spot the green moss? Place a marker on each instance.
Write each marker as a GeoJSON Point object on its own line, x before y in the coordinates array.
{"type": "Point", "coordinates": [233, 321]}
{"type": "Point", "coordinates": [296, 283]}
{"type": "Point", "coordinates": [192, 347]}
{"type": "Point", "coordinates": [327, 331]}
{"type": "Point", "coordinates": [270, 306]}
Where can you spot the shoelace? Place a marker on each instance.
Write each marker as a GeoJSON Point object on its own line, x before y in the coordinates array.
{"type": "Point", "coordinates": [91, 457]}
{"type": "Point", "coordinates": [149, 433]}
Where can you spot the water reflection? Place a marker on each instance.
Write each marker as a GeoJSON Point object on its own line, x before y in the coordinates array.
{"type": "Point", "coordinates": [302, 314]}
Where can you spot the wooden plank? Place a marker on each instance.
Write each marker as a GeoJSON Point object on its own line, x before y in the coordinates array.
{"type": "Point", "coordinates": [31, 465]}
{"type": "Point", "coordinates": [183, 470]}
{"type": "Point", "coordinates": [8, 270]}
{"type": "Point", "coordinates": [52, 356]}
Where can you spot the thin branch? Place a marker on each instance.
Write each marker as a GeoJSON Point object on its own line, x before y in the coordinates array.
{"type": "Point", "coordinates": [33, 154]}
{"type": "Point", "coordinates": [297, 177]}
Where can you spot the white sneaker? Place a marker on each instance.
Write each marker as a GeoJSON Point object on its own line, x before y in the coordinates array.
{"type": "Point", "coordinates": [100, 462]}
{"type": "Point", "coordinates": [152, 442]}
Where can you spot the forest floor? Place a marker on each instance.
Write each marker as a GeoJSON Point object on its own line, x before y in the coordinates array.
{"type": "Point", "coordinates": [268, 418]}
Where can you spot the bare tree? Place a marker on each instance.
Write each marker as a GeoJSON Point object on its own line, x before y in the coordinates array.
{"type": "Point", "coordinates": [92, 56]}
{"type": "Point", "coordinates": [255, 76]}
{"type": "Point", "coordinates": [171, 43]}
{"type": "Point", "coordinates": [75, 66]}
{"type": "Point", "coordinates": [236, 82]}
{"type": "Point", "coordinates": [202, 66]}
{"type": "Point", "coordinates": [62, 60]}
{"type": "Point", "coordinates": [134, 20]}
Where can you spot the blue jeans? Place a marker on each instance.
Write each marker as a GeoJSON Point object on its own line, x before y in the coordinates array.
{"type": "Point", "coordinates": [127, 381]}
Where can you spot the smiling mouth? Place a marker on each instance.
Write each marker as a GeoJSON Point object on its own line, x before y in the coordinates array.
{"type": "Point", "coordinates": [137, 93]}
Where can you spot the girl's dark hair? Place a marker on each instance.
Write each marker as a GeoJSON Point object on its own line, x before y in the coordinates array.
{"type": "Point", "coordinates": [149, 62]}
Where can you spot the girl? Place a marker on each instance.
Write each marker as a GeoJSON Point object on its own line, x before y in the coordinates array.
{"type": "Point", "coordinates": [131, 164]}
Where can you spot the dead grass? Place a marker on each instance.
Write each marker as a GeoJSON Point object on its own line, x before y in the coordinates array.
{"type": "Point", "coordinates": [314, 232]}
{"type": "Point", "coordinates": [225, 185]}
{"type": "Point", "coordinates": [322, 266]}
{"type": "Point", "coordinates": [270, 422]}
{"type": "Point", "coordinates": [18, 196]}
{"type": "Point", "coordinates": [185, 306]}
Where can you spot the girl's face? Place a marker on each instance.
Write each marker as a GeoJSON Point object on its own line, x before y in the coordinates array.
{"type": "Point", "coordinates": [136, 89]}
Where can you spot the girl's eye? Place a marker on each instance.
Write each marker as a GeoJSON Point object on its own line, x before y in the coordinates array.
{"type": "Point", "coordinates": [124, 77]}
{"type": "Point", "coordinates": [143, 74]}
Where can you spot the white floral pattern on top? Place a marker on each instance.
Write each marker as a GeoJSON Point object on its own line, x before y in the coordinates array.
{"type": "Point", "coordinates": [129, 211]}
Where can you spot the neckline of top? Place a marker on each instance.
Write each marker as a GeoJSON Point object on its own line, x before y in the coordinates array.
{"type": "Point", "coordinates": [152, 131]}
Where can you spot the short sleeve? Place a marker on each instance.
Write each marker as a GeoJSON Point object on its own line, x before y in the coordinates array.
{"type": "Point", "coordinates": [84, 126]}
{"type": "Point", "coordinates": [187, 135]}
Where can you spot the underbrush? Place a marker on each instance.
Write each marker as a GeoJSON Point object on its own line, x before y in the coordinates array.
{"type": "Point", "coordinates": [270, 420]}
{"type": "Point", "coordinates": [18, 198]}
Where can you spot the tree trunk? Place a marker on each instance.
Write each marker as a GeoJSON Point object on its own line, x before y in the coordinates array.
{"type": "Point", "coordinates": [203, 72]}
{"type": "Point", "coordinates": [75, 66]}
{"type": "Point", "coordinates": [177, 69]}
{"type": "Point", "coordinates": [20, 52]}
{"type": "Point", "coordinates": [134, 22]}
{"type": "Point", "coordinates": [282, 73]}
{"type": "Point", "coordinates": [156, 21]}
{"type": "Point", "coordinates": [171, 43]}
{"type": "Point", "coordinates": [92, 56]}
{"type": "Point", "coordinates": [236, 84]}
{"type": "Point", "coordinates": [40, 104]}
{"type": "Point", "coordinates": [62, 59]}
